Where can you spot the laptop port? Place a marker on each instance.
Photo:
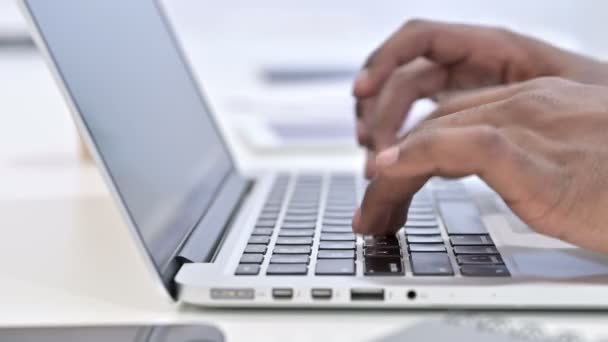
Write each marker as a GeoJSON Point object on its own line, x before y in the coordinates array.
{"type": "Point", "coordinates": [282, 293]}
{"type": "Point", "coordinates": [321, 293]}
{"type": "Point", "coordinates": [367, 294]}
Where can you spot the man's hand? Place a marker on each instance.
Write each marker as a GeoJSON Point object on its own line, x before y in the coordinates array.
{"type": "Point", "coordinates": [428, 59]}
{"type": "Point", "coordinates": [542, 145]}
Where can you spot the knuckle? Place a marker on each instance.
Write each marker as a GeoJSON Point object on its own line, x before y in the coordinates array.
{"type": "Point", "coordinates": [546, 82]}
{"type": "Point", "coordinates": [414, 24]}
{"type": "Point", "coordinates": [493, 141]}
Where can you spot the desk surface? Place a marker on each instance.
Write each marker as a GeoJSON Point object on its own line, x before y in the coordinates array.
{"type": "Point", "coordinates": [65, 253]}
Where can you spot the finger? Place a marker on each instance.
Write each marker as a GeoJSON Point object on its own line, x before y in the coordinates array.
{"type": "Point", "coordinates": [418, 79]}
{"type": "Point", "coordinates": [370, 164]}
{"type": "Point", "coordinates": [476, 98]}
{"type": "Point", "coordinates": [362, 108]}
{"type": "Point", "coordinates": [439, 42]}
{"type": "Point", "coordinates": [449, 152]}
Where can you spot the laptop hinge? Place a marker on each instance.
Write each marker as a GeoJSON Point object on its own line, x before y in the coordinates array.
{"type": "Point", "coordinates": [207, 235]}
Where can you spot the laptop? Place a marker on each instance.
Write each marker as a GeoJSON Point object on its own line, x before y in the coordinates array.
{"type": "Point", "coordinates": [213, 236]}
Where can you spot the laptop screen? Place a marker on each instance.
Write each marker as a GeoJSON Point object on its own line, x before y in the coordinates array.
{"type": "Point", "coordinates": [128, 80]}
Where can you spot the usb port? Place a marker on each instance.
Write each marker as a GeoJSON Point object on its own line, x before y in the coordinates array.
{"type": "Point", "coordinates": [282, 293]}
{"type": "Point", "coordinates": [367, 294]}
{"type": "Point", "coordinates": [321, 293]}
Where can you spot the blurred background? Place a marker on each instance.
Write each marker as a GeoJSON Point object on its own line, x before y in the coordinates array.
{"type": "Point", "coordinates": [277, 73]}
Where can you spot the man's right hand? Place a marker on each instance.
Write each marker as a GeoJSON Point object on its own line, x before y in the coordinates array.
{"type": "Point", "coordinates": [428, 59]}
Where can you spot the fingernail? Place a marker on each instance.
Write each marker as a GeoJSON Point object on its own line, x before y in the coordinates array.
{"type": "Point", "coordinates": [387, 157]}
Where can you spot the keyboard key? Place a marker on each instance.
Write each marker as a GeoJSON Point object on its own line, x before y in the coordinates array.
{"type": "Point", "coordinates": [381, 241]}
{"type": "Point", "coordinates": [383, 266]}
{"type": "Point", "coordinates": [420, 210]}
{"type": "Point", "coordinates": [340, 207]}
{"type": "Point", "coordinates": [295, 207]}
{"type": "Point", "coordinates": [268, 216]}
{"type": "Point", "coordinates": [259, 249]}
{"type": "Point", "coordinates": [336, 254]}
{"type": "Point", "coordinates": [431, 264]}
{"type": "Point", "coordinates": [479, 260]}
{"type": "Point", "coordinates": [337, 245]}
{"type": "Point", "coordinates": [261, 240]}
{"type": "Point", "coordinates": [262, 231]}
{"type": "Point", "coordinates": [287, 269]}
{"type": "Point", "coordinates": [265, 224]}
{"type": "Point", "coordinates": [335, 267]}
{"type": "Point", "coordinates": [296, 232]}
{"type": "Point", "coordinates": [484, 271]}
{"type": "Point", "coordinates": [252, 258]}
{"type": "Point", "coordinates": [290, 259]}
{"type": "Point", "coordinates": [421, 224]}
{"type": "Point", "coordinates": [338, 215]}
{"type": "Point", "coordinates": [424, 239]}
{"type": "Point", "coordinates": [299, 225]}
{"type": "Point", "coordinates": [291, 250]}
{"type": "Point", "coordinates": [381, 252]}
{"type": "Point", "coordinates": [471, 240]}
{"type": "Point", "coordinates": [337, 237]}
{"type": "Point", "coordinates": [421, 217]}
{"type": "Point", "coordinates": [300, 218]}
{"type": "Point", "coordinates": [294, 241]}
{"type": "Point", "coordinates": [337, 222]}
{"type": "Point", "coordinates": [300, 211]}
{"type": "Point", "coordinates": [427, 248]}
{"type": "Point", "coordinates": [337, 229]}
{"type": "Point", "coordinates": [463, 250]}
{"type": "Point", "coordinates": [422, 231]}
{"type": "Point", "coordinates": [461, 217]}
{"type": "Point", "coordinates": [247, 269]}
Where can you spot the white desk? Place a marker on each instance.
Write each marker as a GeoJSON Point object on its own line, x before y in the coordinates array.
{"type": "Point", "coordinates": [65, 255]}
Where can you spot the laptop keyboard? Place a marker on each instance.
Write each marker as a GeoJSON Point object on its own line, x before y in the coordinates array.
{"type": "Point", "coordinates": [305, 229]}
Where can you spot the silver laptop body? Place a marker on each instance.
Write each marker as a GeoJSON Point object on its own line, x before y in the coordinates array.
{"type": "Point", "coordinates": [215, 237]}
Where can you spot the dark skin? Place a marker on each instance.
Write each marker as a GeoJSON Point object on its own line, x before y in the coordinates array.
{"type": "Point", "coordinates": [532, 124]}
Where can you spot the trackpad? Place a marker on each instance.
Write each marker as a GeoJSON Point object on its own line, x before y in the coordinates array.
{"type": "Point", "coordinates": [557, 263]}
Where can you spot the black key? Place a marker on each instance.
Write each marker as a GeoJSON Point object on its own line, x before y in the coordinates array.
{"type": "Point", "coordinates": [265, 224]}
{"type": "Point", "coordinates": [336, 254]}
{"type": "Point", "coordinates": [301, 211]}
{"type": "Point", "coordinates": [461, 217]}
{"type": "Point", "coordinates": [424, 239]}
{"type": "Point", "coordinates": [287, 269]}
{"type": "Point", "coordinates": [299, 225]}
{"type": "Point", "coordinates": [431, 264]}
{"type": "Point", "coordinates": [383, 266]}
{"type": "Point", "coordinates": [294, 241]}
{"type": "Point", "coordinates": [290, 259]}
{"type": "Point", "coordinates": [262, 231]}
{"type": "Point", "coordinates": [422, 231]}
{"type": "Point", "coordinates": [296, 232]}
{"type": "Point", "coordinates": [338, 237]}
{"type": "Point", "coordinates": [260, 240]}
{"type": "Point", "coordinates": [381, 241]}
{"type": "Point", "coordinates": [337, 245]}
{"type": "Point", "coordinates": [300, 218]}
{"type": "Point", "coordinates": [479, 260]}
{"type": "Point", "coordinates": [421, 217]}
{"type": "Point", "coordinates": [291, 250]}
{"type": "Point", "coordinates": [247, 269]}
{"type": "Point", "coordinates": [381, 251]}
{"type": "Point", "coordinates": [261, 249]}
{"type": "Point", "coordinates": [427, 248]}
{"type": "Point", "coordinates": [471, 240]}
{"type": "Point", "coordinates": [484, 271]}
{"type": "Point", "coordinates": [421, 224]}
{"type": "Point", "coordinates": [335, 267]}
{"type": "Point", "coordinates": [463, 250]}
{"type": "Point", "coordinates": [252, 258]}
{"type": "Point", "coordinates": [337, 229]}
